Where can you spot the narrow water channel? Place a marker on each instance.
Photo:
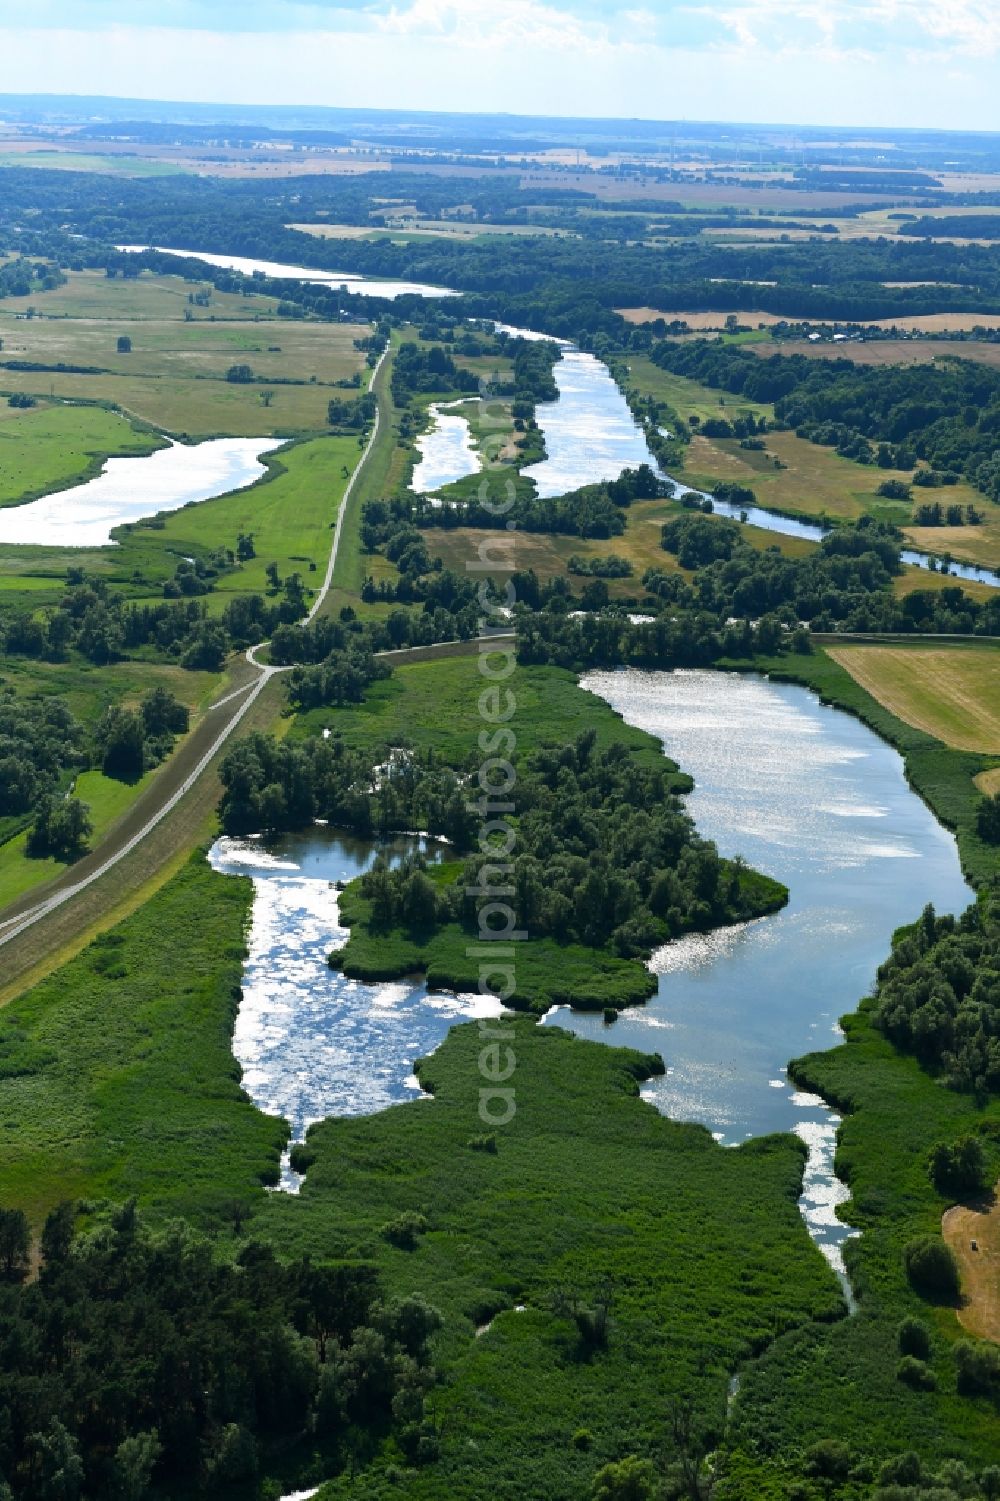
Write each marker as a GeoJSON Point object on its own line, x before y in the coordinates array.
{"type": "Point", "coordinates": [446, 450]}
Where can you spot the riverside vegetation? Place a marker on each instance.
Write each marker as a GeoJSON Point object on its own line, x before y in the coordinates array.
{"type": "Point", "coordinates": [555, 1310]}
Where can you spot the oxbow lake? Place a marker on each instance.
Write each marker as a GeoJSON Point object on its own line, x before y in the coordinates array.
{"type": "Point", "coordinates": [445, 448]}
{"type": "Point", "coordinates": [804, 792]}
{"type": "Point", "coordinates": [311, 1042]}
{"type": "Point", "coordinates": [133, 488]}
{"type": "Point", "coordinates": [811, 796]}
{"type": "Point", "coordinates": [280, 271]}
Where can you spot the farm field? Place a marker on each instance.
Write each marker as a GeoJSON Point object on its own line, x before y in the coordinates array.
{"type": "Point", "coordinates": [917, 323]}
{"type": "Point", "coordinates": [951, 692]}
{"type": "Point", "coordinates": [887, 351]}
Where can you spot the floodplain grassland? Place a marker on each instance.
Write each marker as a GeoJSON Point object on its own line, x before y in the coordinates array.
{"type": "Point", "coordinates": [952, 692]}
{"type": "Point", "coordinates": [117, 1075]}
{"type": "Point", "coordinates": [175, 375]}
{"type": "Point", "coordinates": [291, 514]}
{"type": "Point", "coordinates": [814, 481]}
{"type": "Point", "coordinates": [433, 706]}
{"type": "Point", "coordinates": [48, 448]}
{"type": "Point", "coordinates": [700, 1251]}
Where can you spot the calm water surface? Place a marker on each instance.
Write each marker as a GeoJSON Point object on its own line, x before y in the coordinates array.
{"type": "Point", "coordinates": [133, 488]}
{"type": "Point", "coordinates": [311, 1042]}
{"type": "Point", "coordinates": [446, 451]}
{"type": "Point", "coordinates": [811, 796]}
{"type": "Point", "coordinates": [279, 271]}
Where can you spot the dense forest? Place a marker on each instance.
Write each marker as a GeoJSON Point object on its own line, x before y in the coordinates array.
{"type": "Point", "coordinates": [138, 1358]}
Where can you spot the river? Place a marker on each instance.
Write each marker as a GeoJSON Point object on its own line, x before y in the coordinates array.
{"type": "Point", "coordinates": [278, 271]}
{"type": "Point", "coordinates": [133, 488]}
{"type": "Point", "coordinates": [805, 793]}
{"type": "Point", "coordinates": [590, 433]}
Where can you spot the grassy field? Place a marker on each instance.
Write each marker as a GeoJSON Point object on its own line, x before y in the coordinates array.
{"type": "Point", "coordinates": [434, 706]}
{"type": "Point", "coordinates": [48, 448]}
{"type": "Point", "coordinates": [91, 294]}
{"type": "Point", "coordinates": [291, 515]}
{"type": "Point", "coordinates": [81, 161]}
{"type": "Point", "coordinates": [175, 375]}
{"type": "Point", "coordinates": [117, 1076]}
{"type": "Point", "coordinates": [952, 692]}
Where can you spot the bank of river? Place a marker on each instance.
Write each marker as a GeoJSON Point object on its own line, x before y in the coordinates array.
{"type": "Point", "coordinates": [133, 488]}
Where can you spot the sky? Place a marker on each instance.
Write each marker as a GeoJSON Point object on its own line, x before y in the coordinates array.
{"type": "Point", "coordinates": [931, 63]}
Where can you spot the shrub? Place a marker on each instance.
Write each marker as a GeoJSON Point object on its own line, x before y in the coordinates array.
{"type": "Point", "coordinates": [404, 1229]}
{"type": "Point", "coordinates": [830, 1458]}
{"type": "Point", "coordinates": [914, 1338]}
{"type": "Point", "coordinates": [931, 1268]}
{"type": "Point", "coordinates": [484, 1143]}
{"type": "Point", "coordinates": [978, 1367]}
{"type": "Point", "coordinates": [915, 1373]}
{"type": "Point", "coordinates": [959, 1168]}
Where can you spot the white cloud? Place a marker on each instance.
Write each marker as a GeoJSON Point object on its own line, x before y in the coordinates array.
{"type": "Point", "coordinates": [487, 24]}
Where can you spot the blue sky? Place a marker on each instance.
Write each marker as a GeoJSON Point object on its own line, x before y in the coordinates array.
{"type": "Point", "coordinates": [862, 62]}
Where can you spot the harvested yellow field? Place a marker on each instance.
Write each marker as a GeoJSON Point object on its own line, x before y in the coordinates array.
{"type": "Point", "coordinates": [964, 1227]}
{"type": "Point", "coordinates": [988, 782]}
{"type": "Point", "coordinates": [952, 692]}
